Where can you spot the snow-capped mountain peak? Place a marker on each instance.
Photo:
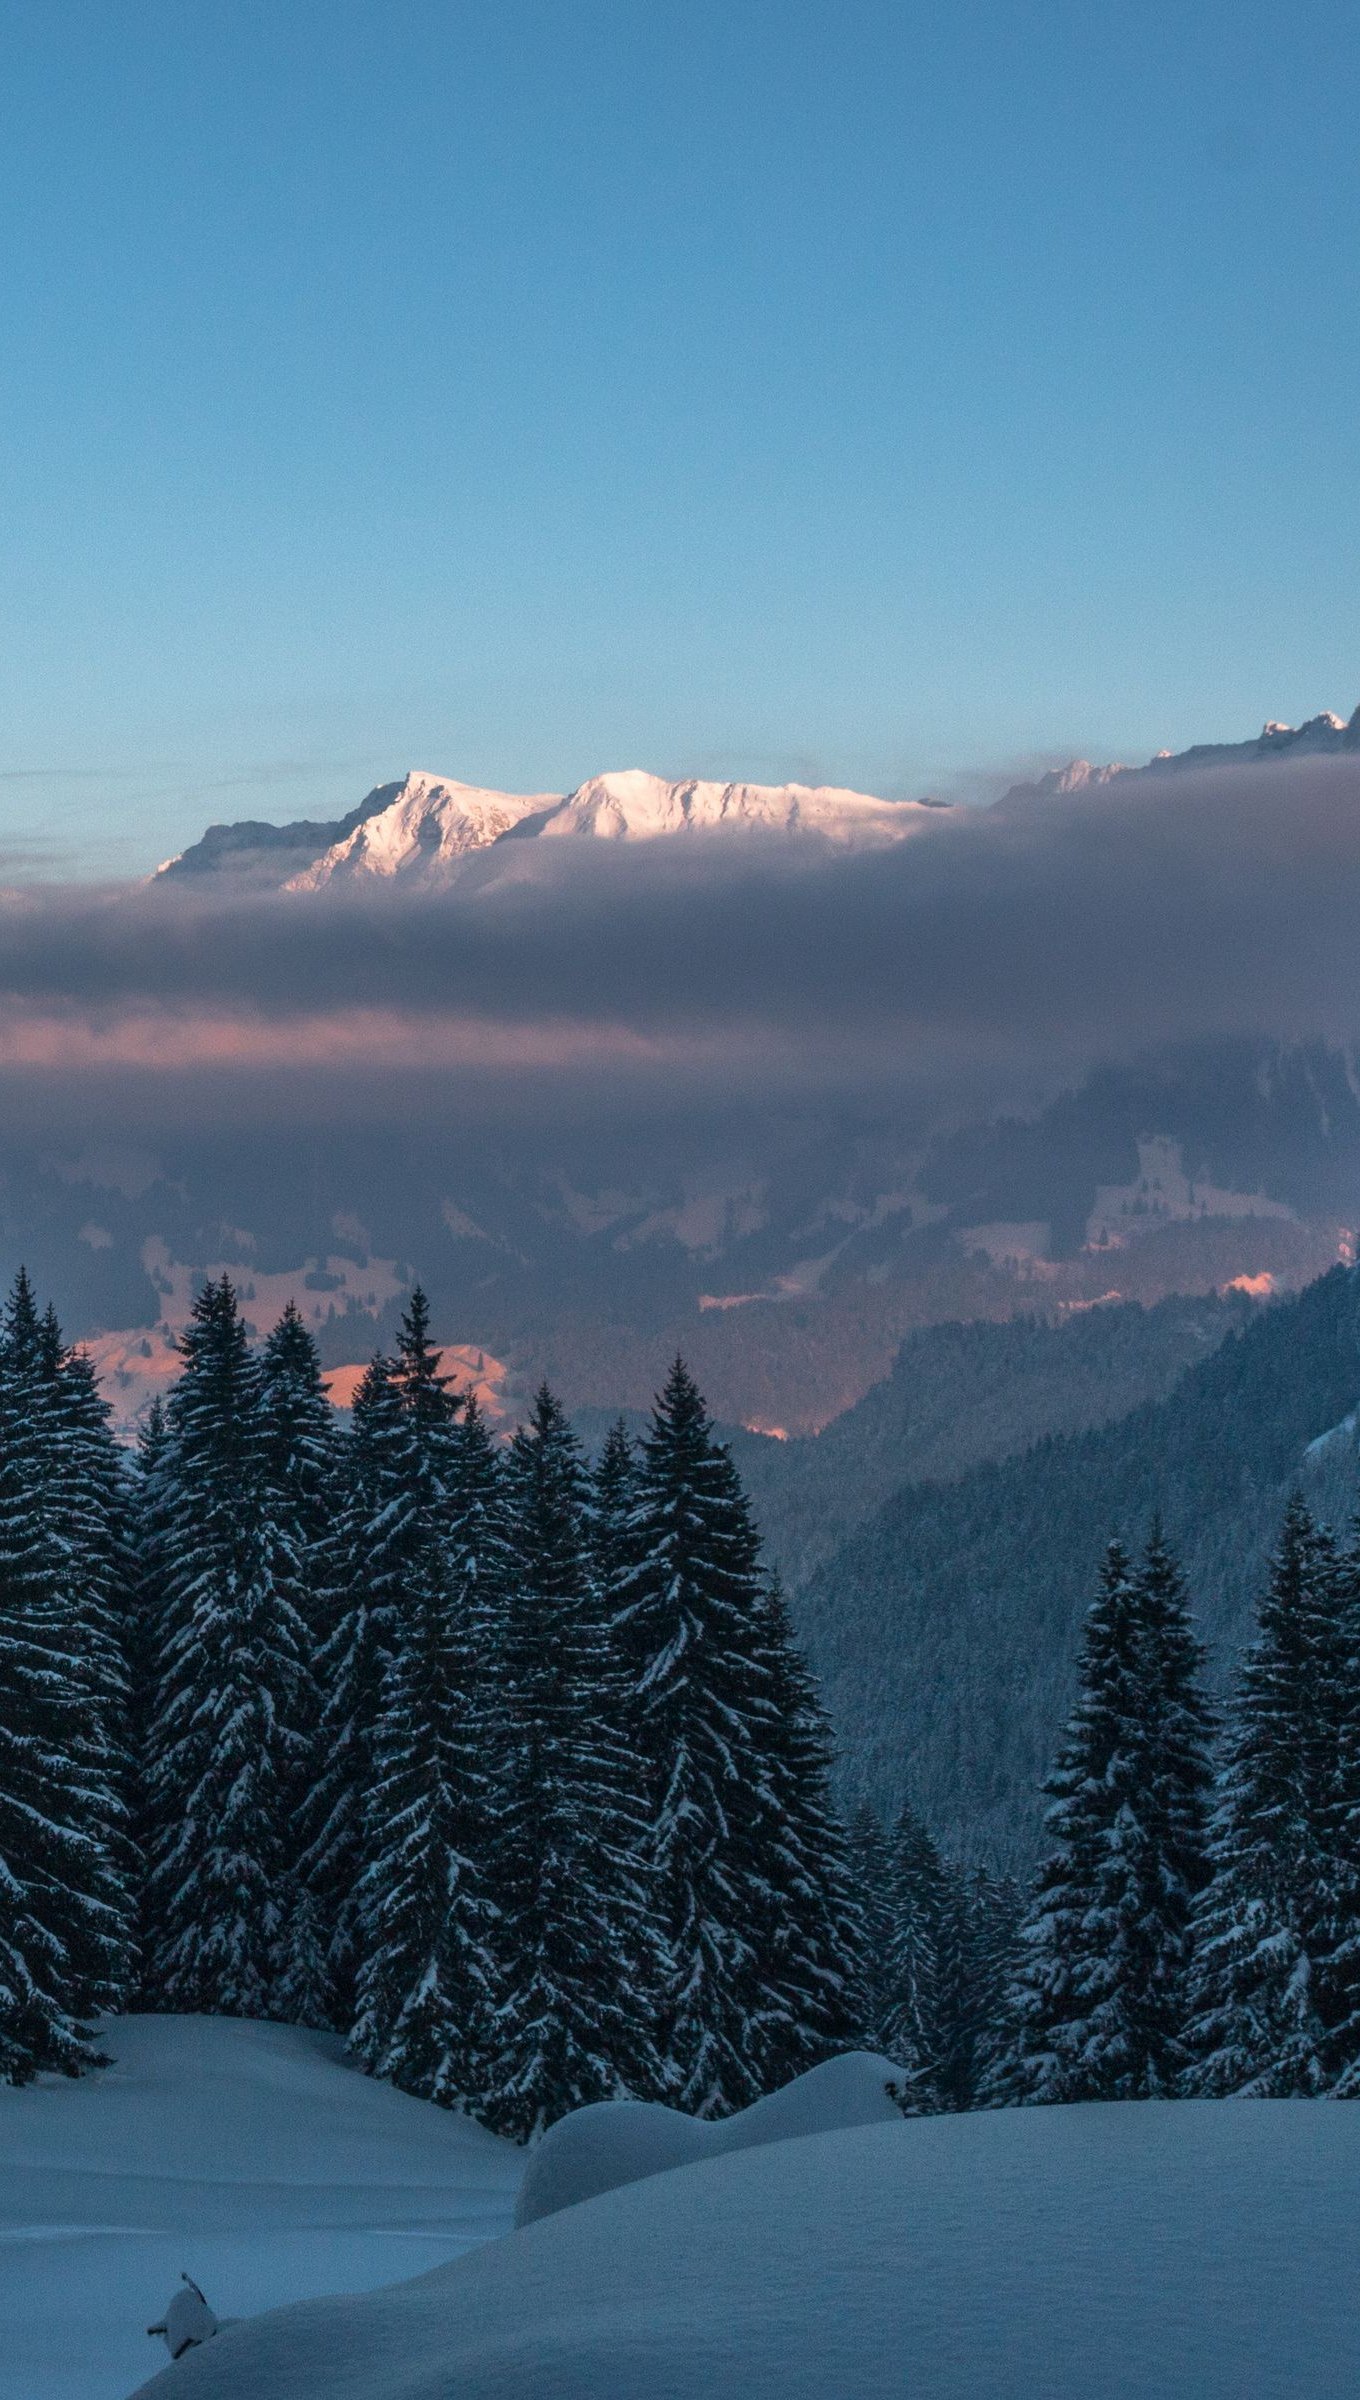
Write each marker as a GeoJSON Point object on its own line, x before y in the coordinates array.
{"type": "Point", "coordinates": [635, 806]}
{"type": "Point", "coordinates": [430, 824]}
{"type": "Point", "coordinates": [423, 830]}
{"type": "Point", "coordinates": [1318, 736]}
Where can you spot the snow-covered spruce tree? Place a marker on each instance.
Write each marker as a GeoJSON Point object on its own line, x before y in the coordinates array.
{"type": "Point", "coordinates": [612, 1501]}
{"type": "Point", "coordinates": [425, 1972]}
{"type": "Point", "coordinates": [1176, 1798]}
{"type": "Point", "coordinates": [148, 1502]}
{"type": "Point", "coordinates": [996, 1906]}
{"type": "Point", "coordinates": [974, 1963]}
{"type": "Point", "coordinates": [953, 2034]}
{"type": "Point", "coordinates": [302, 1452]}
{"type": "Point", "coordinates": [917, 1893]}
{"type": "Point", "coordinates": [870, 1862]}
{"type": "Point", "coordinates": [65, 1904]}
{"type": "Point", "coordinates": [1099, 2005]}
{"type": "Point", "coordinates": [222, 1758]}
{"type": "Point", "coordinates": [1266, 1925]}
{"type": "Point", "coordinates": [91, 1497]}
{"type": "Point", "coordinates": [704, 1719]}
{"type": "Point", "coordinates": [577, 1944]}
{"type": "Point", "coordinates": [1343, 1920]}
{"type": "Point", "coordinates": [364, 1582]}
{"type": "Point", "coordinates": [810, 1943]}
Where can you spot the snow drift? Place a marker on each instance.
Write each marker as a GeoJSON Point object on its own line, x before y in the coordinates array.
{"type": "Point", "coordinates": [1159, 2251]}
{"type": "Point", "coordinates": [596, 2149]}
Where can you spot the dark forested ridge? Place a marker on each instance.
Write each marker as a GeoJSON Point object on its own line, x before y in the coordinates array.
{"type": "Point", "coordinates": [944, 1631]}
{"type": "Point", "coordinates": [960, 1394]}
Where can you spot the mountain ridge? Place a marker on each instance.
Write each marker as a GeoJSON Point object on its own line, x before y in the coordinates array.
{"type": "Point", "coordinates": [423, 826]}
{"type": "Point", "coordinates": [1318, 737]}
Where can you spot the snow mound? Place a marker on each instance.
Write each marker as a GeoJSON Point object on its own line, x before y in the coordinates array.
{"type": "Point", "coordinates": [1155, 2251]}
{"type": "Point", "coordinates": [620, 2141]}
{"type": "Point", "coordinates": [251, 2155]}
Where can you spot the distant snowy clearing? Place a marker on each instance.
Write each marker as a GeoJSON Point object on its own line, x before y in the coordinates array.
{"type": "Point", "coordinates": [1172, 2251]}
{"type": "Point", "coordinates": [251, 2155]}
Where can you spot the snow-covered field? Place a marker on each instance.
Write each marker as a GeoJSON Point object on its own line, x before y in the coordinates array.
{"type": "Point", "coordinates": [1163, 2251]}
{"type": "Point", "coordinates": [1174, 2251]}
{"type": "Point", "coordinates": [251, 2155]}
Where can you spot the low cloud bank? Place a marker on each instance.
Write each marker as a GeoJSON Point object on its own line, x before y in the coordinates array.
{"type": "Point", "coordinates": [1023, 940]}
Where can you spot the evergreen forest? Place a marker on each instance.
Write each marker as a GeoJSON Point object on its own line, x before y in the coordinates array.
{"type": "Point", "coordinates": [503, 1762]}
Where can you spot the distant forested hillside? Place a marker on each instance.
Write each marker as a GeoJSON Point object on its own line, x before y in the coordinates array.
{"type": "Point", "coordinates": [960, 1394]}
{"type": "Point", "coordinates": [944, 1628]}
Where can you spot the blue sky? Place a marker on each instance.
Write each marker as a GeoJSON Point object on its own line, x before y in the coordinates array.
{"type": "Point", "coordinates": [869, 393]}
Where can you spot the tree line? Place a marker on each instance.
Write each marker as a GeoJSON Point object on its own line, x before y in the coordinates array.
{"type": "Point", "coordinates": [1195, 1927]}
{"type": "Point", "coordinates": [502, 1764]}
{"type": "Point", "coordinates": [505, 1765]}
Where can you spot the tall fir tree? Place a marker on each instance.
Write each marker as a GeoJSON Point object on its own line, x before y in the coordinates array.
{"type": "Point", "coordinates": [612, 1500]}
{"type": "Point", "coordinates": [1174, 1803]}
{"type": "Point", "coordinates": [974, 1964]}
{"type": "Point", "coordinates": [1100, 1999]}
{"type": "Point", "coordinates": [148, 1505]}
{"type": "Point", "coordinates": [90, 1499]}
{"type": "Point", "coordinates": [362, 1583]}
{"type": "Point", "coordinates": [911, 2021]}
{"type": "Point", "coordinates": [65, 1903]}
{"type": "Point", "coordinates": [1342, 1925]}
{"type": "Point", "coordinates": [870, 1861]}
{"type": "Point", "coordinates": [302, 1460]}
{"type": "Point", "coordinates": [576, 1936]}
{"type": "Point", "coordinates": [704, 1717]}
{"type": "Point", "coordinates": [809, 1965]}
{"type": "Point", "coordinates": [996, 1907]}
{"type": "Point", "coordinates": [426, 1971]}
{"type": "Point", "coordinates": [1265, 2004]}
{"type": "Point", "coordinates": [222, 1760]}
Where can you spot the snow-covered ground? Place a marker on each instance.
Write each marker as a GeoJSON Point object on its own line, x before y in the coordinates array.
{"type": "Point", "coordinates": [1163, 2251]}
{"type": "Point", "coordinates": [1175, 2251]}
{"type": "Point", "coordinates": [250, 2155]}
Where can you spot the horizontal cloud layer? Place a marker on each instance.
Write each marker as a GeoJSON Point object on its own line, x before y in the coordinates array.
{"type": "Point", "coordinates": [1044, 933]}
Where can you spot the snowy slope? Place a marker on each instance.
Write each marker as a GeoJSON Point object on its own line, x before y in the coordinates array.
{"type": "Point", "coordinates": [250, 2155]}
{"type": "Point", "coordinates": [1164, 2251]}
